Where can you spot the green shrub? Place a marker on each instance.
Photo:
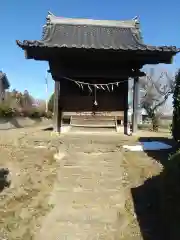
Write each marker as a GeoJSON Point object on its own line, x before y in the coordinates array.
{"type": "Point", "coordinates": [176, 108]}
{"type": "Point", "coordinates": [146, 126]}
{"type": "Point", "coordinates": [23, 113]}
{"type": "Point", "coordinates": [170, 128]}
{"type": "Point", "coordinates": [36, 113]}
{"type": "Point", "coordinates": [170, 193]}
{"type": "Point", "coordinates": [51, 103]}
{"type": "Point", "coordinates": [173, 164]}
{"type": "Point", "coordinates": [6, 111]}
{"type": "Point", "coordinates": [48, 115]}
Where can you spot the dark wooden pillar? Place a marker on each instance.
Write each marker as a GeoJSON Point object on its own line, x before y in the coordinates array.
{"type": "Point", "coordinates": [126, 107]}
{"type": "Point", "coordinates": [57, 108]}
{"type": "Point", "coordinates": [135, 115]}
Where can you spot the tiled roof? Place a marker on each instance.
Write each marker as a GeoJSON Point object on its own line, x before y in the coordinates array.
{"type": "Point", "coordinates": [92, 34]}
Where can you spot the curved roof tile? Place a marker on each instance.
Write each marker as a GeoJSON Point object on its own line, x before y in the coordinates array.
{"type": "Point", "coordinates": [93, 34]}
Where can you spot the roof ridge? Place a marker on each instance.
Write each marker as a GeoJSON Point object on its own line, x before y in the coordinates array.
{"type": "Point", "coordinates": [52, 19]}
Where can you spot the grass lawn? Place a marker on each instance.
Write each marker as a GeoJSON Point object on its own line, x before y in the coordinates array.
{"type": "Point", "coordinates": [32, 174]}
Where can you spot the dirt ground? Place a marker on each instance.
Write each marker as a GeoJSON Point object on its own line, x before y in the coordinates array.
{"type": "Point", "coordinates": [44, 191]}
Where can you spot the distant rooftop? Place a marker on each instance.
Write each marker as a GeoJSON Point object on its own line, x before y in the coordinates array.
{"type": "Point", "coordinates": [4, 79]}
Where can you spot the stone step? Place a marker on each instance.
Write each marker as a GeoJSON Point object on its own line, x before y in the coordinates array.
{"type": "Point", "coordinates": [94, 117]}
{"type": "Point", "coordinates": [90, 121]}
{"type": "Point", "coordinates": [91, 129]}
{"type": "Point", "coordinates": [93, 124]}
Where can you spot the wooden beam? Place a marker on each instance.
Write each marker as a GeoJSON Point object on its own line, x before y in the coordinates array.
{"type": "Point", "coordinates": [57, 109]}
{"type": "Point", "coordinates": [118, 114]}
{"type": "Point", "coordinates": [103, 75]}
{"type": "Point", "coordinates": [135, 116]}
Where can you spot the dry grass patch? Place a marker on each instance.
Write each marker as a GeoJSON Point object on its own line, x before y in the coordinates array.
{"type": "Point", "coordinates": [32, 175]}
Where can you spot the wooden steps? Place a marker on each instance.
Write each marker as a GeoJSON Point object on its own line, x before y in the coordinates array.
{"type": "Point", "coordinates": [93, 121]}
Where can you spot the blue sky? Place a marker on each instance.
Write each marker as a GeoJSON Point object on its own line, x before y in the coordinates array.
{"type": "Point", "coordinates": [160, 24]}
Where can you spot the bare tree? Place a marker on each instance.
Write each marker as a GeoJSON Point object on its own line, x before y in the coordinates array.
{"type": "Point", "coordinates": [27, 101]}
{"type": "Point", "coordinates": [156, 92]}
{"type": "Point", "coordinates": [21, 102]}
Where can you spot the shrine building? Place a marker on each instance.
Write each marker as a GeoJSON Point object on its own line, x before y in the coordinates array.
{"type": "Point", "coordinates": [91, 62]}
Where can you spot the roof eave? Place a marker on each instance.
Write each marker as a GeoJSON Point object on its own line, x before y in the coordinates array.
{"type": "Point", "coordinates": [30, 47]}
{"type": "Point", "coordinates": [20, 44]}
{"type": "Point", "coordinates": [26, 48]}
{"type": "Point", "coordinates": [27, 45]}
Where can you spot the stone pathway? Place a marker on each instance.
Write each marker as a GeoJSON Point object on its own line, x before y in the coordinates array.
{"type": "Point", "coordinates": [88, 196]}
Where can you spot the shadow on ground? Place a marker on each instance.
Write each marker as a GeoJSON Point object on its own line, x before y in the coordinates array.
{"type": "Point", "coordinates": [160, 155]}
{"type": "Point", "coordinates": [48, 129]}
{"type": "Point", "coordinates": [156, 202]}
{"type": "Point", "coordinates": [4, 182]}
